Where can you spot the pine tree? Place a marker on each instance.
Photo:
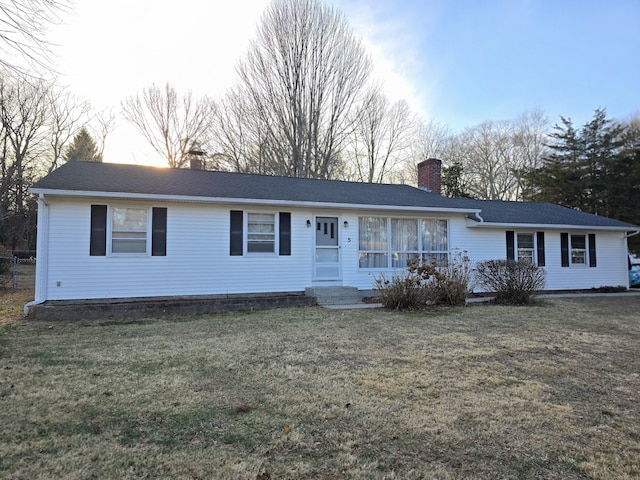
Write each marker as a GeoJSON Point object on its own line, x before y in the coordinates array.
{"type": "Point", "coordinates": [83, 148]}
{"type": "Point", "coordinates": [595, 169]}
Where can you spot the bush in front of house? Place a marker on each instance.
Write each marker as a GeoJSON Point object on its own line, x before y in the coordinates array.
{"type": "Point", "coordinates": [451, 283]}
{"type": "Point", "coordinates": [403, 291]}
{"type": "Point", "coordinates": [513, 282]}
{"type": "Point", "coordinates": [424, 284]}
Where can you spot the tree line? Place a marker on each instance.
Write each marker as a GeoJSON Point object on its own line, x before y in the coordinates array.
{"type": "Point", "coordinates": [305, 104]}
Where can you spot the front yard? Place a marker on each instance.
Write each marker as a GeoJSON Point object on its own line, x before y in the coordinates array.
{"type": "Point", "coordinates": [549, 391]}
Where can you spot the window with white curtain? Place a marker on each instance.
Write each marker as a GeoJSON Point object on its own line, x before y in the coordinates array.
{"type": "Point", "coordinates": [261, 232]}
{"type": "Point", "coordinates": [404, 241]}
{"type": "Point", "coordinates": [372, 242]}
{"type": "Point", "coordinates": [390, 242]}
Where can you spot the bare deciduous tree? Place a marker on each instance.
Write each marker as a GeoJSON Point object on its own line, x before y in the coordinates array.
{"type": "Point", "coordinates": [67, 115]}
{"type": "Point", "coordinates": [381, 137]}
{"type": "Point", "coordinates": [429, 140]}
{"type": "Point", "coordinates": [495, 155]}
{"type": "Point", "coordinates": [23, 27]}
{"type": "Point", "coordinates": [171, 124]}
{"type": "Point", "coordinates": [297, 87]}
{"type": "Point", "coordinates": [23, 112]}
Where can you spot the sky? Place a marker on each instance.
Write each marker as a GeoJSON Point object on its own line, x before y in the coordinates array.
{"type": "Point", "coordinates": [456, 62]}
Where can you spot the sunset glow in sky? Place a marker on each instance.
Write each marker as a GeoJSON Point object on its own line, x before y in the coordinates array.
{"type": "Point", "coordinates": [458, 63]}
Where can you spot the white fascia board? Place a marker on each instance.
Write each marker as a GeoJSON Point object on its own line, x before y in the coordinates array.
{"type": "Point", "coordinates": [245, 201]}
{"type": "Point", "coordinates": [544, 226]}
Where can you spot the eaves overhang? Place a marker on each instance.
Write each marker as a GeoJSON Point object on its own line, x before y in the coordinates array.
{"type": "Point", "coordinates": [247, 201]}
{"type": "Point", "coordinates": [548, 226]}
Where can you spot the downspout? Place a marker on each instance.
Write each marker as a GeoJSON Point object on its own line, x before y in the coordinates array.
{"type": "Point", "coordinates": [42, 257]}
{"type": "Point", "coordinates": [477, 215]}
{"type": "Point", "coordinates": [632, 234]}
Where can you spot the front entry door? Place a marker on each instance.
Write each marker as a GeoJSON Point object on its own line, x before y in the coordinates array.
{"type": "Point", "coordinates": [327, 265]}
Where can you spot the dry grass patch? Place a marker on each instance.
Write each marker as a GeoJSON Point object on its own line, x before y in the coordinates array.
{"type": "Point", "coordinates": [549, 391]}
{"type": "Point", "coordinates": [12, 305]}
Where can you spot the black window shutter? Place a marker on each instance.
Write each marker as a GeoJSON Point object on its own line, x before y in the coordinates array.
{"type": "Point", "coordinates": [511, 245]}
{"type": "Point", "coordinates": [235, 243]}
{"type": "Point", "coordinates": [592, 249]}
{"type": "Point", "coordinates": [159, 232]}
{"type": "Point", "coordinates": [540, 247]}
{"type": "Point", "coordinates": [98, 242]}
{"type": "Point", "coordinates": [285, 233]}
{"type": "Point", "coordinates": [564, 248]}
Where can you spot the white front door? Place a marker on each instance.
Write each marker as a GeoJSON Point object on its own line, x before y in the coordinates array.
{"type": "Point", "coordinates": [327, 261]}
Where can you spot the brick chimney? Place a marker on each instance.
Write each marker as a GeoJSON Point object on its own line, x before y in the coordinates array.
{"type": "Point", "coordinates": [430, 175]}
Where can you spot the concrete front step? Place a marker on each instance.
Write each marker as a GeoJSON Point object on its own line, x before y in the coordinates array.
{"type": "Point", "coordinates": [335, 295]}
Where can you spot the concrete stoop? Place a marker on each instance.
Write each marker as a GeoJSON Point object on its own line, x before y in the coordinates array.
{"type": "Point", "coordinates": [332, 296]}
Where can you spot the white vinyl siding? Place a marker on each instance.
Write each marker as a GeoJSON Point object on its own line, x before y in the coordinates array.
{"type": "Point", "coordinates": [198, 260]}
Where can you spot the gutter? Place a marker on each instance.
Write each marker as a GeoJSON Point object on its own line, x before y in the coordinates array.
{"type": "Point", "coordinates": [250, 201]}
{"type": "Point", "coordinates": [41, 254]}
{"type": "Point", "coordinates": [631, 234]}
{"type": "Point", "coordinates": [549, 226]}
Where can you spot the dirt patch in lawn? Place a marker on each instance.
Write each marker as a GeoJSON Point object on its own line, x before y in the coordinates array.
{"type": "Point", "coordinates": [548, 391]}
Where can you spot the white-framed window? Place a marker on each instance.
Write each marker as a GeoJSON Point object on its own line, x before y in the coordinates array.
{"type": "Point", "coordinates": [435, 240]}
{"type": "Point", "coordinates": [129, 232]}
{"type": "Point", "coordinates": [372, 242]}
{"type": "Point", "coordinates": [578, 249]}
{"type": "Point", "coordinates": [386, 242]}
{"type": "Point", "coordinates": [526, 247]}
{"type": "Point", "coordinates": [261, 233]}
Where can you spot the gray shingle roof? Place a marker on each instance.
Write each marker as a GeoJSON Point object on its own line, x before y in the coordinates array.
{"type": "Point", "coordinates": [143, 180]}
{"type": "Point", "coordinates": [541, 213]}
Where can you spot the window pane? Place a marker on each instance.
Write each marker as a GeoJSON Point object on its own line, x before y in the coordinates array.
{"type": "Point", "coordinates": [327, 255]}
{"type": "Point", "coordinates": [579, 242]}
{"type": "Point", "coordinates": [525, 240]}
{"type": "Point", "coordinates": [525, 254]}
{"type": "Point", "coordinates": [257, 246]}
{"type": "Point", "coordinates": [129, 219]}
{"type": "Point", "coordinates": [129, 245]}
{"type": "Point", "coordinates": [373, 260]}
{"type": "Point", "coordinates": [434, 235]}
{"type": "Point", "coordinates": [441, 259]}
{"type": "Point", "coordinates": [261, 233]}
{"type": "Point", "coordinates": [578, 256]}
{"type": "Point", "coordinates": [373, 233]}
{"type": "Point", "coordinates": [404, 235]}
{"type": "Point", "coordinates": [399, 260]}
{"type": "Point", "coordinates": [129, 230]}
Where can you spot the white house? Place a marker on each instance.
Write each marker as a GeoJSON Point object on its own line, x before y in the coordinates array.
{"type": "Point", "coordinates": [110, 231]}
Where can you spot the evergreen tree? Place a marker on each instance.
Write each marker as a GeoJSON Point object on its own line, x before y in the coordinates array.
{"type": "Point", "coordinates": [83, 148]}
{"type": "Point", "coordinates": [453, 185]}
{"type": "Point", "coordinates": [595, 169]}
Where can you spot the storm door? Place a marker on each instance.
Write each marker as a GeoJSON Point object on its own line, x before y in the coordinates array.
{"type": "Point", "coordinates": [327, 260]}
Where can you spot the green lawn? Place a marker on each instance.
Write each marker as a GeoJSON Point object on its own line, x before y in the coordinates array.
{"type": "Point", "coordinates": [550, 391]}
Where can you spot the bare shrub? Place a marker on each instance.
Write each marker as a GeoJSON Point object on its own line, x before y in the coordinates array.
{"type": "Point", "coordinates": [451, 283]}
{"type": "Point", "coordinates": [424, 284]}
{"type": "Point", "coordinates": [404, 291]}
{"type": "Point", "coordinates": [513, 282]}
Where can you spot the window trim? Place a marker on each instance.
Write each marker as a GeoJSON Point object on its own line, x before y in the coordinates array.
{"type": "Point", "coordinates": [276, 233]}
{"type": "Point", "coordinates": [390, 251]}
{"type": "Point", "coordinates": [149, 227]}
{"type": "Point", "coordinates": [538, 249]}
{"type": "Point", "coordinates": [566, 250]}
{"type": "Point", "coordinates": [101, 231]}
{"type": "Point", "coordinates": [585, 250]}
